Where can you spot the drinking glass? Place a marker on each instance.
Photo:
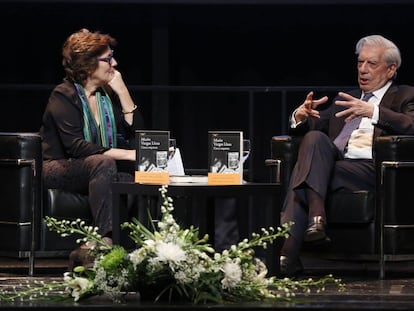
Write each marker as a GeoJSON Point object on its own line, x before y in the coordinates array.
{"type": "Point", "coordinates": [246, 149]}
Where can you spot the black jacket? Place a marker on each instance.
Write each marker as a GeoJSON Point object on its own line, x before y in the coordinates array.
{"type": "Point", "coordinates": [62, 125]}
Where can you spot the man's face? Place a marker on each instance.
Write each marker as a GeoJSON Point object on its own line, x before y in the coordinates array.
{"type": "Point", "coordinates": [373, 72]}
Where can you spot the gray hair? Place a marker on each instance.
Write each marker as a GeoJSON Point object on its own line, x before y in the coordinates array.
{"type": "Point", "coordinates": [392, 55]}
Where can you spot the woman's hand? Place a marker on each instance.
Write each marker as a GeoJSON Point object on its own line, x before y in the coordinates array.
{"type": "Point", "coordinates": [117, 84]}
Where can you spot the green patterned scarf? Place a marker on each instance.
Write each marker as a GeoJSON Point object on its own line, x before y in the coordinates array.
{"type": "Point", "coordinates": [105, 134]}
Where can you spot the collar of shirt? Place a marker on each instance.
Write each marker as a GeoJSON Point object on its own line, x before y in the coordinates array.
{"type": "Point", "coordinates": [378, 94]}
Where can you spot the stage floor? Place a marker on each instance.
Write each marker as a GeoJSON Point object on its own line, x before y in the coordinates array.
{"type": "Point", "coordinates": [364, 290]}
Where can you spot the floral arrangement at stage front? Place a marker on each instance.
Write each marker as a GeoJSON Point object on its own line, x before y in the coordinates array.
{"type": "Point", "coordinates": [171, 263]}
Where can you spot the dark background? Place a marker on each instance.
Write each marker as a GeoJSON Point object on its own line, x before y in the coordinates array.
{"type": "Point", "coordinates": [258, 48]}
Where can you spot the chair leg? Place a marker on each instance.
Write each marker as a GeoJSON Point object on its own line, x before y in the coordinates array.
{"type": "Point", "coordinates": [33, 227]}
{"type": "Point", "coordinates": [382, 252]}
{"type": "Point", "coordinates": [31, 263]}
{"type": "Point", "coordinates": [382, 255]}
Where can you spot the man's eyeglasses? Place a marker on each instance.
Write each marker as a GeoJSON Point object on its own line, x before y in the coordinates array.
{"type": "Point", "coordinates": [107, 59]}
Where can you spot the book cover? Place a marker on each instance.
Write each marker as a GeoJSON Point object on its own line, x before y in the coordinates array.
{"type": "Point", "coordinates": [152, 149]}
{"type": "Point", "coordinates": [225, 157]}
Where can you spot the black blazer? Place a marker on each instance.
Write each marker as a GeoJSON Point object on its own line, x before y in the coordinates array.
{"type": "Point", "coordinates": [62, 125]}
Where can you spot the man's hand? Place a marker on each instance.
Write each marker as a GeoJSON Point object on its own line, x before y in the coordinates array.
{"type": "Point", "coordinates": [307, 109]}
{"type": "Point", "coordinates": [355, 107]}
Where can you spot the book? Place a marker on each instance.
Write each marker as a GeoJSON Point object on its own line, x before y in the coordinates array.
{"type": "Point", "coordinates": [152, 148]}
{"type": "Point", "coordinates": [202, 179]}
{"type": "Point", "coordinates": [225, 164]}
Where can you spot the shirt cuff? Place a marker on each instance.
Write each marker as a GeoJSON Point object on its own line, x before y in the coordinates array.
{"type": "Point", "coordinates": [293, 123]}
{"type": "Point", "coordinates": [375, 115]}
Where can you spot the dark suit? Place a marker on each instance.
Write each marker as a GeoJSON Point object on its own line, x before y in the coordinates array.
{"type": "Point", "coordinates": [321, 166]}
{"type": "Point", "coordinates": [396, 114]}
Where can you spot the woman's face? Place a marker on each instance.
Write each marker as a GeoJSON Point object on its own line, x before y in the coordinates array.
{"type": "Point", "coordinates": [105, 70]}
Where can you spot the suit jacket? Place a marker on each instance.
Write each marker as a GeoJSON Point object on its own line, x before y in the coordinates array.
{"type": "Point", "coordinates": [396, 114]}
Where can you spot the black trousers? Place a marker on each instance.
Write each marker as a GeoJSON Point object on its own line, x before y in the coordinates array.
{"type": "Point", "coordinates": [321, 167]}
{"type": "Point", "coordinates": [91, 175]}
{"type": "Point", "coordinates": [226, 227]}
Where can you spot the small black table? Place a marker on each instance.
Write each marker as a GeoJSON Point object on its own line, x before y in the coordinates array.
{"type": "Point", "coordinates": [199, 213]}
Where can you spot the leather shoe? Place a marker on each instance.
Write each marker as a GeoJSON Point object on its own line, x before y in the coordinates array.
{"type": "Point", "coordinates": [289, 267]}
{"type": "Point", "coordinates": [316, 230]}
{"type": "Point", "coordinates": [80, 257]}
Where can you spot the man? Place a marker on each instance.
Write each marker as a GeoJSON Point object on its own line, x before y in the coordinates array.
{"type": "Point", "coordinates": [336, 150]}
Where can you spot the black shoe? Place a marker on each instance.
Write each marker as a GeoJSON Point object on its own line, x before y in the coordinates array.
{"type": "Point", "coordinates": [289, 268]}
{"type": "Point", "coordinates": [316, 230]}
{"type": "Point", "coordinates": [80, 257]}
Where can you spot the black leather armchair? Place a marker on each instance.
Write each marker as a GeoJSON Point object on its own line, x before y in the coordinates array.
{"type": "Point", "coordinates": [24, 203]}
{"type": "Point", "coordinates": [361, 224]}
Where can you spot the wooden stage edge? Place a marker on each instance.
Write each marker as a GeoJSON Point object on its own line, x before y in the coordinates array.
{"type": "Point", "coordinates": [364, 290]}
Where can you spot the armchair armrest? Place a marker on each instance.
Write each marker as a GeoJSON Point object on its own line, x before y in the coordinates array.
{"type": "Point", "coordinates": [274, 165]}
{"type": "Point", "coordinates": [390, 151]}
{"type": "Point", "coordinates": [394, 148]}
{"type": "Point", "coordinates": [394, 162]}
{"type": "Point", "coordinates": [284, 150]}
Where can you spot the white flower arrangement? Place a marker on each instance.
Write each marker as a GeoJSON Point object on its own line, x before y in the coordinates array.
{"type": "Point", "coordinates": [171, 263]}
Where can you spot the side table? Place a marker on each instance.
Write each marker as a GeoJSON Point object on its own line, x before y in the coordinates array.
{"type": "Point", "coordinates": [200, 213]}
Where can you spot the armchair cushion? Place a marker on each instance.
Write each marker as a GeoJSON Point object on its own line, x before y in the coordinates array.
{"type": "Point", "coordinates": [350, 207]}
{"type": "Point", "coordinates": [67, 205]}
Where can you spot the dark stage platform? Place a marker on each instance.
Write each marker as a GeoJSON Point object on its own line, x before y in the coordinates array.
{"type": "Point", "coordinates": [364, 290]}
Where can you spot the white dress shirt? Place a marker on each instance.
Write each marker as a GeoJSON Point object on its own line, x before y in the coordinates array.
{"type": "Point", "coordinates": [360, 142]}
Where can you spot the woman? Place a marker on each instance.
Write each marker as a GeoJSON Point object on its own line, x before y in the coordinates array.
{"type": "Point", "coordinates": [88, 125]}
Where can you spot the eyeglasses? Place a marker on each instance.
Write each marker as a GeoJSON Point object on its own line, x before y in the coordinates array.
{"type": "Point", "coordinates": [107, 59]}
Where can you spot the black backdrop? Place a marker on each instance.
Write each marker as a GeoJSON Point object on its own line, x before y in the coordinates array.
{"type": "Point", "coordinates": [194, 43]}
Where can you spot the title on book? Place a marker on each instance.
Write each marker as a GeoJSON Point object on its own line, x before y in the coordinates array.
{"type": "Point", "coordinates": [221, 144]}
{"type": "Point", "coordinates": [149, 144]}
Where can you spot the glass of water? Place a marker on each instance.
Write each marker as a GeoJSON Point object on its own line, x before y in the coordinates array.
{"type": "Point", "coordinates": [246, 149]}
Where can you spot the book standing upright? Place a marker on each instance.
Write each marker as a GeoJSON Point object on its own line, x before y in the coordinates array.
{"type": "Point", "coordinates": [225, 157]}
{"type": "Point", "coordinates": [152, 149]}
